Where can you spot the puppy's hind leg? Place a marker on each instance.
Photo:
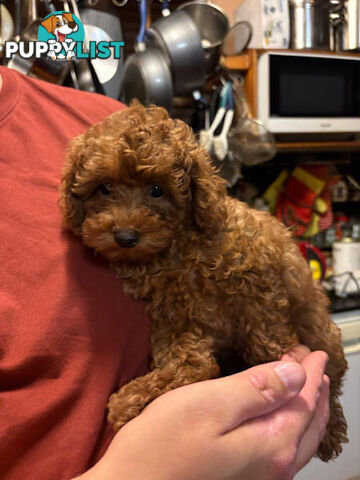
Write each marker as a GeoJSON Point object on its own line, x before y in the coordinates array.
{"type": "Point", "coordinates": [188, 359]}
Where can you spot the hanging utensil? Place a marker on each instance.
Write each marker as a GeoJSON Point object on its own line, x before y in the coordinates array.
{"type": "Point", "coordinates": [147, 75]}
{"type": "Point", "coordinates": [235, 42]}
{"type": "Point", "coordinates": [206, 136]}
{"type": "Point", "coordinates": [18, 20]}
{"type": "Point", "coordinates": [86, 77]}
{"type": "Point", "coordinates": [202, 117]}
{"type": "Point", "coordinates": [229, 170]}
{"type": "Point", "coordinates": [220, 142]}
{"type": "Point", "coordinates": [6, 26]}
{"type": "Point", "coordinates": [222, 157]}
{"type": "Point", "coordinates": [179, 40]}
{"type": "Point", "coordinates": [18, 63]}
{"type": "Point", "coordinates": [140, 39]}
{"type": "Point", "coordinates": [102, 26]}
{"type": "Point", "coordinates": [237, 39]}
{"type": "Point", "coordinates": [31, 31]}
{"type": "Point", "coordinates": [165, 8]}
{"type": "Point", "coordinates": [249, 141]}
{"type": "Point", "coordinates": [213, 26]}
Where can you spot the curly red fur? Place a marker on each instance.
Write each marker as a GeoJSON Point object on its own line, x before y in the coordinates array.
{"type": "Point", "coordinates": [216, 275]}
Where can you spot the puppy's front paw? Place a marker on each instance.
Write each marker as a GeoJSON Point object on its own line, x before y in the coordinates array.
{"type": "Point", "coordinates": [123, 407]}
{"type": "Point", "coordinates": [133, 397]}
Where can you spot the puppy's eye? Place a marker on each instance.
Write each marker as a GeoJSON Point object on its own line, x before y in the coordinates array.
{"type": "Point", "coordinates": [105, 188]}
{"type": "Point", "coordinates": [58, 24]}
{"type": "Point", "coordinates": [156, 191]}
{"type": "Point", "coordinates": [65, 21]}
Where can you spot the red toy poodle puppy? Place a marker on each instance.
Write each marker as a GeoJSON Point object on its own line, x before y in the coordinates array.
{"type": "Point", "coordinates": [220, 280]}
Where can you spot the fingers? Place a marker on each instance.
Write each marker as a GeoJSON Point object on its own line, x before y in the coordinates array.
{"type": "Point", "coordinates": [252, 393]}
{"type": "Point", "coordinates": [299, 422]}
{"type": "Point", "coordinates": [315, 432]}
{"type": "Point", "coordinates": [314, 365]}
{"type": "Point", "coordinates": [300, 411]}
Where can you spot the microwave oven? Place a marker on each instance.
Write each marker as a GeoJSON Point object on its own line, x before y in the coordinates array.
{"type": "Point", "coordinates": [300, 92]}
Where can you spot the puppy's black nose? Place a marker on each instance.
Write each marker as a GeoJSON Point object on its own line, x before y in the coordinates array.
{"type": "Point", "coordinates": [126, 238]}
{"type": "Point", "coordinates": [72, 25]}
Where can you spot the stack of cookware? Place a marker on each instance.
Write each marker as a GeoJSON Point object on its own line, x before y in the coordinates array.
{"type": "Point", "coordinates": [175, 54]}
{"type": "Point", "coordinates": [345, 24]}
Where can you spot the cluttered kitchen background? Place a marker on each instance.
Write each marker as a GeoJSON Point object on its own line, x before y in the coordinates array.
{"type": "Point", "coordinates": [272, 90]}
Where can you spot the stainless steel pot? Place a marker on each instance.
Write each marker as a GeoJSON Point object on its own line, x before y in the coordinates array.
{"type": "Point", "coordinates": [147, 77]}
{"type": "Point", "coordinates": [309, 24]}
{"type": "Point", "coordinates": [179, 39]}
{"type": "Point", "coordinates": [345, 22]}
{"type": "Point", "coordinates": [213, 25]}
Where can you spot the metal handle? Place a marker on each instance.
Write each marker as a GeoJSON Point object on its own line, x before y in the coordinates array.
{"type": "Point", "coordinates": [75, 8]}
{"type": "Point", "coordinates": [32, 11]}
{"type": "Point", "coordinates": [143, 17]}
{"type": "Point", "coordinates": [17, 22]}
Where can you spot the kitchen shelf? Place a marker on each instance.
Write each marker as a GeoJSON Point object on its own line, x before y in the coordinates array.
{"type": "Point", "coordinates": [238, 62]}
{"type": "Point", "coordinates": [246, 60]}
{"type": "Point", "coordinates": [345, 146]}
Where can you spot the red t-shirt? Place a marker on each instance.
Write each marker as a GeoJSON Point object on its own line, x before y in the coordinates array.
{"type": "Point", "coordinates": [68, 334]}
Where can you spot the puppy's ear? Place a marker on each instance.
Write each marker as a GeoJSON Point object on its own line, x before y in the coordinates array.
{"type": "Point", "coordinates": [48, 23]}
{"type": "Point", "coordinates": [70, 203]}
{"type": "Point", "coordinates": [208, 194]}
{"type": "Point", "coordinates": [68, 16]}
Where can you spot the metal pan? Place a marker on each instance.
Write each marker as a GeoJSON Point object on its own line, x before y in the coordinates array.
{"type": "Point", "coordinates": [178, 37]}
{"type": "Point", "coordinates": [237, 39]}
{"type": "Point", "coordinates": [147, 77]}
{"type": "Point", "coordinates": [6, 26]}
{"type": "Point", "coordinates": [213, 26]}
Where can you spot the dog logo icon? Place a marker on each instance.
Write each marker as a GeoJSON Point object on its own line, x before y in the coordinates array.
{"type": "Point", "coordinates": [61, 30]}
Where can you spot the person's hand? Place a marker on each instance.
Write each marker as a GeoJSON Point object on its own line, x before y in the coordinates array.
{"type": "Point", "coordinates": [264, 423]}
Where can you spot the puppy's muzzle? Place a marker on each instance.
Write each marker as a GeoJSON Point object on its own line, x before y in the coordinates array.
{"type": "Point", "coordinates": [126, 238]}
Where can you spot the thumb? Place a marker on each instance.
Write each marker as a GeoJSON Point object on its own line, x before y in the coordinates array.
{"type": "Point", "coordinates": [254, 392]}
